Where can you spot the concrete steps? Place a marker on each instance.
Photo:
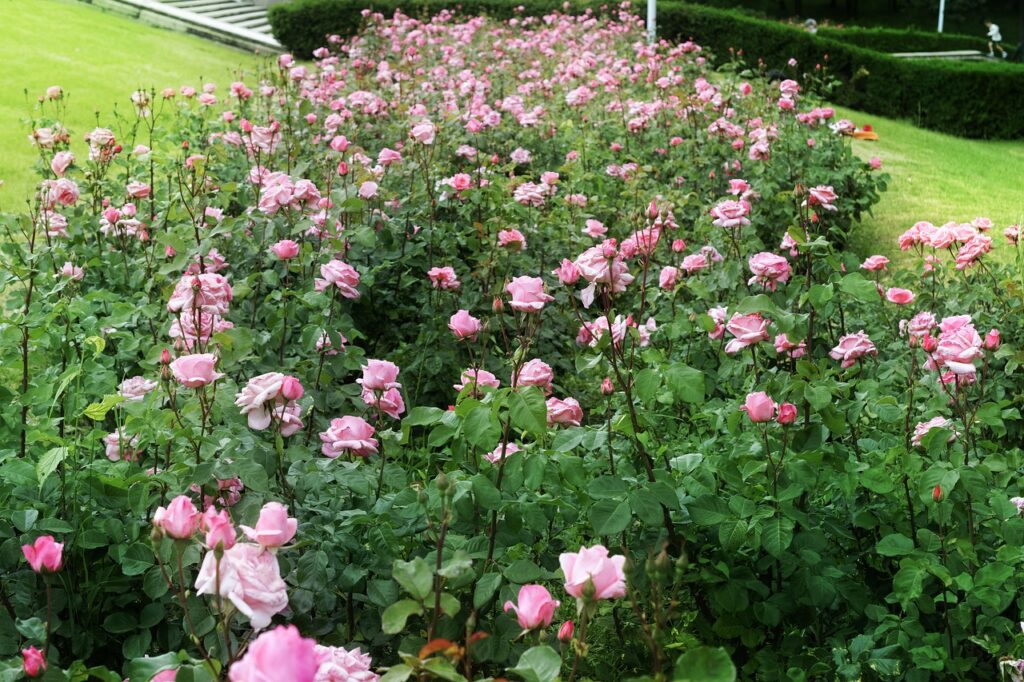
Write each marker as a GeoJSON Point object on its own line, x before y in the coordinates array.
{"type": "Point", "coordinates": [239, 23]}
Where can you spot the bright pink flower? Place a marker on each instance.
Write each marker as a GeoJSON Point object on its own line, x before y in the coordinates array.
{"type": "Point", "coordinates": [591, 574]}
{"type": "Point", "coordinates": [274, 527]}
{"type": "Point", "coordinates": [566, 631]}
{"type": "Point", "coordinates": [668, 277]}
{"type": "Point", "coordinates": [535, 607]}
{"type": "Point", "coordinates": [566, 411]}
{"type": "Point", "coordinates": [195, 371]}
{"type": "Point", "coordinates": [33, 662]}
{"type": "Point", "coordinates": [512, 239]}
{"type": "Point", "coordinates": [759, 407]}
{"type": "Point", "coordinates": [567, 273]}
{"type": "Point", "coordinates": [218, 528]}
{"type": "Point", "coordinates": [349, 434]}
{"type": "Point", "coordinates": [180, 519]}
{"type": "Point", "coordinates": [339, 274]}
{"type": "Point", "coordinates": [695, 262]}
{"type": "Point", "coordinates": [501, 452]}
{"type": "Point", "coordinates": [851, 348]}
{"type": "Point", "coordinates": [208, 292]}
{"type": "Point", "coordinates": [535, 373]}
{"type": "Point", "coordinates": [477, 377]}
{"type": "Point", "coordinates": [748, 330]}
{"type": "Point", "coordinates": [45, 555]}
{"type": "Point", "coordinates": [444, 278]}
{"type": "Point", "coordinates": [338, 664]}
{"type": "Point", "coordinates": [731, 213]}
{"type": "Point", "coordinates": [959, 345]}
{"type": "Point", "coordinates": [285, 249]}
{"type": "Point", "coordinates": [250, 577]}
{"type": "Point", "coordinates": [787, 414]}
{"type": "Point", "coordinates": [823, 196]}
{"type": "Point", "coordinates": [379, 375]}
{"type": "Point", "coordinates": [922, 429]}
{"type": "Point", "coordinates": [874, 263]}
{"type": "Point", "coordinates": [899, 296]}
{"type": "Point", "coordinates": [527, 294]}
{"type": "Point", "coordinates": [464, 325]}
{"type": "Point", "coordinates": [279, 654]}
{"type": "Point", "coordinates": [768, 269]}
{"type": "Point", "coordinates": [992, 341]}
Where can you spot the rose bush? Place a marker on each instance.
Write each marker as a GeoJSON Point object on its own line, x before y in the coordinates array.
{"type": "Point", "coordinates": [477, 349]}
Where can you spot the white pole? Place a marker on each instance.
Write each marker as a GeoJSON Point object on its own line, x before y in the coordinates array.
{"type": "Point", "coordinates": [942, 13]}
{"type": "Point", "coordinates": [652, 13]}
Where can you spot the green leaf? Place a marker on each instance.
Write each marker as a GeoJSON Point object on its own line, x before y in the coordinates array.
{"type": "Point", "coordinates": [414, 576]}
{"type": "Point", "coordinates": [776, 536]}
{"type": "Point", "coordinates": [119, 622]}
{"type": "Point", "coordinates": [732, 534]}
{"type": "Point", "coordinates": [397, 673]}
{"type": "Point", "coordinates": [705, 664]}
{"type": "Point", "coordinates": [859, 287]}
{"type": "Point", "coordinates": [98, 411]}
{"type": "Point", "coordinates": [528, 410]}
{"type": "Point", "coordinates": [686, 383]}
{"type": "Point", "coordinates": [610, 517]}
{"type": "Point", "coordinates": [49, 462]}
{"type": "Point", "coordinates": [538, 664]}
{"type": "Point", "coordinates": [392, 621]}
{"type": "Point", "coordinates": [24, 519]}
{"type": "Point", "coordinates": [485, 589]}
{"type": "Point", "coordinates": [818, 396]}
{"type": "Point", "coordinates": [646, 383]}
{"type": "Point", "coordinates": [709, 510]}
{"type": "Point", "coordinates": [423, 416]}
{"type": "Point", "coordinates": [481, 428]}
{"type": "Point", "coordinates": [895, 545]}
{"type": "Point", "coordinates": [523, 571]}
{"type": "Point", "coordinates": [908, 583]}
{"type": "Point", "coordinates": [144, 669]}
{"type": "Point", "coordinates": [485, 492]}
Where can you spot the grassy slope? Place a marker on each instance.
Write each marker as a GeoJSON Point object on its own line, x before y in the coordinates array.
{"type": "Point", "coordinates": [938, 178]}
{"type": "Point", "coordinates": [99, 59]}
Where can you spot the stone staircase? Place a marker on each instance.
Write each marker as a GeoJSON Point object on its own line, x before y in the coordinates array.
{"type": "Point", "coordinates": [240, 23]}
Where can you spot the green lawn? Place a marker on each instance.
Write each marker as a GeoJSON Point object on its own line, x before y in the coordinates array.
{"type": "Point", "coordinates": [937, 178]}
{"type": "Point", "coordinates": [98, 58]}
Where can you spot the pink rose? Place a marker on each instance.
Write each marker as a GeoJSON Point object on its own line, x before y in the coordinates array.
{"type": "Point", "coordinates": [591, 574]}
{"type": "Point", "coordinates": [748, 330]}
{"type": "Point", "coordinates": [535, 373]}
{"type": "Point", "coordinates": [501, 452]}
{"type": "Point", "coordinates": [731, 213]}
{"type": "Point", "coordinates": [117, 451]}
{"type": "Point", "coordinates": [477, 377]}
{"type": "Point", "coordinates": [565, 632]}
{"type": "Point", "coordinates": [379, 375]}
{"type": "Point", "coordinates": [464, 325]}
{"type": "Point", "coordinates": [209, 293]}
{"type": "Point", "coordinates": [138, 190]}
{"type": "Point", "coordinates": [527, 294]}
{"type": "Point", "coordinates": [759, 407]}
{"type": "Point", "coordinates": [566, 411]}
{"type": "Point", "coordinates": [992, 341]}
{"type": "Point", "coordinates": [180, 519]}
{"type": "Point", "coordinates": [338, 664]}
{"type": "Point", "coordinates": [602, 265]}
{"type": "Point", "coordinates": [535, 607]}
{"type": "Point", "coordinates": [349, 434]}
{"type": "Point", "coordinates": [45, 555]}
{"type": "Point", "coordinates": [274, 528]}
{"type": "Point", "coordinates": [959, 345]}
{"type": "Point", "coordinates": [444, 278]}
{"type": "Point", "coordinates": [389, 402]}
{"type": "Point", "coordinates": [874, 263]}
{"type": "Point", "coordinates": [851, 348]}
{"type": "Point", "coordinates": [195, 371]}
{"type": "Point", "coordinates": [717, 316]}
{"type": "Point", "coordinates": [567, 273]}
{"type": "Point", "coordinates": [248, 576]}
{"type": "Point", "coordinates": [512, 239]}
{"type": "Point", "coordinates": [257, 399]}
{"type": "Point", "coordinates": [136, 388]}
{"type": "Point", "coordinates": [61, 162]}
{"type": "Point", "coordinates": [280, 654]}
{"type": "Point", "coordinates": [339, 274]}
{"type": "Point", "coordinates": [423, 132]}
{"type": "Point", "coordinates": [368, 190]}
{"type": "Point", "coordinates": [822, 195]}
{"type": "Point", "coordinates": [768, 269]}
{"type": "Point", "coordinates": [922, 429]}
{"type": "Point", "coordinates": [220, 532]}
{"type": "Point", "coordinates": [33, 662]}
{"type": "Point", "coordinates": [668, 277]}
{"type": "Point", "coordinates": [72, 271]}
{"type": "Point", "coordinates": [787, 414]}
{"type": "Point", "coordinates": [386, 157]}
{"type": "Point", "coordinates": [695, 262]}
{"type": "Point", "coordinates": [595, 229]}
{"type": "Point", "coordinates": [286, 249]}
{"type": "Point", "coordinates": [899, 296]}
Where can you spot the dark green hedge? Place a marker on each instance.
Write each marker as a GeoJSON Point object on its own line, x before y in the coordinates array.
{"type": "Point", "coordinates": [897, 40]}
{"type": "Point", "coordinates": [970, 99]}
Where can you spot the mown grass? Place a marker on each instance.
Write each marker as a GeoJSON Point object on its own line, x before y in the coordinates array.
{"type": "Point", "coordinates": [98, 58]}
{"type": "Point", "coordinates": [937, 177]}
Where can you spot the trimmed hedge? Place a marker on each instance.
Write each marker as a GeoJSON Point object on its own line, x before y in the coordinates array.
{"type": "Point", "coordinates": [896, 40]}
{"type": "Point", "coordinates": [969, 99]}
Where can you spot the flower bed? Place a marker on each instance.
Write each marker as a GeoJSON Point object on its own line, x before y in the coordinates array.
{"type": "Point", "coordinates": [477, 350]}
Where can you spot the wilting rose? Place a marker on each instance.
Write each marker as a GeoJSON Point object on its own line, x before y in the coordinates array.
{"type": "Point", "coordinates": [851, 348]}
{"type": "Point", "coordinates": [338, 664]}
{"type": "Point", "coordinates": [444, 278]}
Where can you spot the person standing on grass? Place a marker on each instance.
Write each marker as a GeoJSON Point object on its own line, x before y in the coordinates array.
{"type": "Point", "coordinates": [994, 38]}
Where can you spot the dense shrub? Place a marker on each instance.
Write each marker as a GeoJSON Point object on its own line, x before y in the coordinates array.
{"type": "Point", "coordinates": [903, 40]}
{"type": "Point", "coordinates": [370, 350]}
{"type": "Point", "coordinates": [969, 99]}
